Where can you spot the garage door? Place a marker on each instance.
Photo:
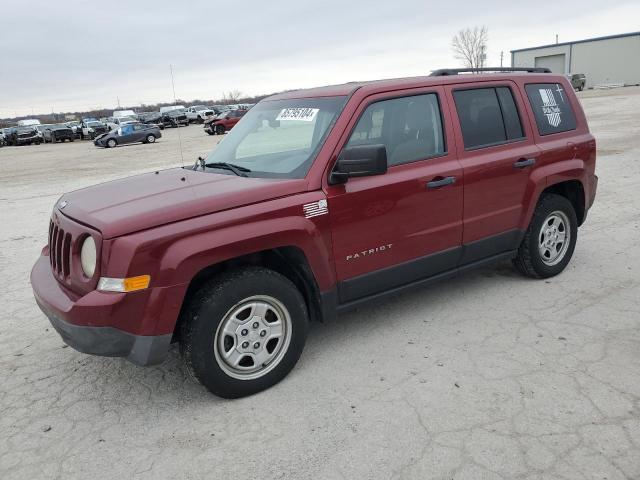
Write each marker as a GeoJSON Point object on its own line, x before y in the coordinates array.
{"type": "Point", "coordinates": [555, 63]}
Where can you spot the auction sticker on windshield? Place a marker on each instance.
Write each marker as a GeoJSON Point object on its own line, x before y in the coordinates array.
{"type": "Point", "coordinates": [300, 114]}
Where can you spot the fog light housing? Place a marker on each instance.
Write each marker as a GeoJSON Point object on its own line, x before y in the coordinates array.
{"type": "Point", "coordinates": [123, 285]}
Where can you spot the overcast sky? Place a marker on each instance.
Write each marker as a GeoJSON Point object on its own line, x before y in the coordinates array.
{"type": "Point", "coordinates": [73, 55]}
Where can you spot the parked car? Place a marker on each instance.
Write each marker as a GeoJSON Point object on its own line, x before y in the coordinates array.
{"type": "Point", "coordinates": [3, 139]}
{"type": "Point", "coordinates": [128, 133]}
{"type": "Point", "coordinates": [319, 201]}
{"type": "Point", "coordinates": [114, 123]}
{"type": "Point", "coordinates": [58, 133]}
{"type": "Point", "coordinates": [175, 118]}
{"type": "Point", "coordinates": [218, 109]}
{"type": "Point", "coordinates": [40, 129]}
{"type": "Point", "coordinates": [198, 113]}
{"type": "Point", "coordinates": [578, 81]}
{"type": "Point", "coordinates": [224, 122]}
{"type": "Point", "coordinates": [75, 127]}
{"type": "Point", "coordinates": [91, 128]}
{"type": "Point", "coordinates": [24, 136]}
{"type": "Point", "coordinates": [154, 118]}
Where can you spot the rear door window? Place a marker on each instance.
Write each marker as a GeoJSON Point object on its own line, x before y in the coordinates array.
{"type": "Point", "coordinates": [488, 116]}
{"type": "Point", "coordinates": [551, 108]}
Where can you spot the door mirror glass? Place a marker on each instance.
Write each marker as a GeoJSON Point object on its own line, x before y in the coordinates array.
{"type": "Point", "coordinates": [359, 161]}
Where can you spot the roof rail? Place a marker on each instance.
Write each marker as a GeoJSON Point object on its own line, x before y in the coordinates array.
{"type": "Point", "coordinates": [443, 72]}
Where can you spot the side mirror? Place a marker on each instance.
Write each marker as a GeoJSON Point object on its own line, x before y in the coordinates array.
{"type": "Point", "coordinates": [359, 161]}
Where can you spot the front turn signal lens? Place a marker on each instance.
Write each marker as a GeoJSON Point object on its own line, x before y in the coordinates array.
{"type": "Point", "coordinates": [130, 284]}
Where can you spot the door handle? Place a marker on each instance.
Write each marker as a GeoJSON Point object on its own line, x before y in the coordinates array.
{"type": "Point", "coordinates": [441, 182]}
{"type": "Point", "coordinates": [524, 162]}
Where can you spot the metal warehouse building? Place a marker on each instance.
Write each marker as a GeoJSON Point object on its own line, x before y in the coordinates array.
{"type": "Point", "coordinates": [604, 60]}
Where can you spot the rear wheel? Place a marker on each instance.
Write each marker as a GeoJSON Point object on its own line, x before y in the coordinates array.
{"type": "Point", "coordinates": [151, 138]}
{"type": "Point", "coordinates": [550, 240]}
{"type": "Point", "coordinates": [244, 331]}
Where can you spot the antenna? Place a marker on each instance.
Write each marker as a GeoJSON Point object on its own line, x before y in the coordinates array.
{"type": "Point", "coordinates": [173, 86]}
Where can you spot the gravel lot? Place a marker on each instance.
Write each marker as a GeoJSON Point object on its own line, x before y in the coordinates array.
{"type": "Point", "coordinates": [489, 375]}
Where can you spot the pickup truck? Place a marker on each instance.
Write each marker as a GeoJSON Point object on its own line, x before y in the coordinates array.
{"type": "Point", "coordinates": [198, 113]}
{"type": "Point", "coordinates": [316, 202]}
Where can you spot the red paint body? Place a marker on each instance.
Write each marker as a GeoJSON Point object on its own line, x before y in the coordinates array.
{"type": "Point", "coordinates": [176, 223]}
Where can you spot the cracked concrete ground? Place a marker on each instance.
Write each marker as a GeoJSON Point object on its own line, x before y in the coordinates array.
{"type": "Point", "coordinates": [486, 376]}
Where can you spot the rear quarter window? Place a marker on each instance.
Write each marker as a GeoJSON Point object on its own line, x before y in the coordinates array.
{"type": "Point", "coordinates": [551, 108]}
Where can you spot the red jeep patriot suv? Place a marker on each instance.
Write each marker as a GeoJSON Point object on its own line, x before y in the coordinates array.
{"type": "Point", "coordinates": [319, 200]}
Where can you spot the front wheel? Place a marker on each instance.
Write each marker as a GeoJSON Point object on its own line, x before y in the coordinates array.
{"type": "Point", "coordinates": [550, 240]}
{"type": "Point", "coordinates": [111, 143]}
{"type": "Point", "coordinates": [220, 129]}
{"type": "Point", "coordinates": [244, 331]}
{"type": "Point", "coordinates": [151, 138]}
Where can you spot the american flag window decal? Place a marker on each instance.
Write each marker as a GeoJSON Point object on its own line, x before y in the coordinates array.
{"type": "Point", "coordinates": [551, 104]}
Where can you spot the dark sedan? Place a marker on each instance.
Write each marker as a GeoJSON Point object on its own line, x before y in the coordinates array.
{"type": "Point", "coordinates": [175, 118]}
{"type": "Point", "coordinates": [58, 133]}
{"type": "Point", "coordinates": [129, 133]}
{"type": "Point", "coordinates": [152, 118]}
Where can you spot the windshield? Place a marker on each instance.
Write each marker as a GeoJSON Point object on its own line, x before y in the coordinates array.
{"type": "Point", "coordinates": [94, 124]}
{"type": "Point", "coordinates": [279, 138]}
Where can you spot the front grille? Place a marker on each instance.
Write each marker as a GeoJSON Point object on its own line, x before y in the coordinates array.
{"type": "Point", "coordinates": [59, 251]}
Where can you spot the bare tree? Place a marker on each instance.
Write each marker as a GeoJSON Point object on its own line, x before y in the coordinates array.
{"type": "Point", "coordinates": [470, 46]}
{"type": "Point", "coordinates": [232, 96]}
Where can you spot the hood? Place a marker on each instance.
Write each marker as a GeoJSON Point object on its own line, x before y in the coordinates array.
{"type": "Point", "coordinates": [153, 199]}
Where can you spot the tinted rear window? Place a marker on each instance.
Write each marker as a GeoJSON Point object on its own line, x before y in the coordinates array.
{"type": "Point", "coordinates": [551, 108]}
{"type": "Point", "coordinates": [488, 116]}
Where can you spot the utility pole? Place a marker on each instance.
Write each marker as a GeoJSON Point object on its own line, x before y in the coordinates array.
{"type": "Point", "coordinates": [556, 38]}
{"type": "Point", "coordinates": [173, 86]}
{"type": "Point", "coordinates": [118, 98]}
{"type": "Point", "coordinates": [501, 57]}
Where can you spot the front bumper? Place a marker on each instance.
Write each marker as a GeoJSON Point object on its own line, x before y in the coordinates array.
{"type": "Point", "coordinates": [80, 321]}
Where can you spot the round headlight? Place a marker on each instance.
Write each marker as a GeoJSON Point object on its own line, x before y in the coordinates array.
{"type": "Point", "coordinates": [88, 257]}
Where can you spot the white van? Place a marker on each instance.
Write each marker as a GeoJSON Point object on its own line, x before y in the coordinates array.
{"type": "Point", "coordinates": [123, 113]}
{"type": "Point", "coordinates": [28, 122]}
{"type": "Point", "coordinates": [170, 108]}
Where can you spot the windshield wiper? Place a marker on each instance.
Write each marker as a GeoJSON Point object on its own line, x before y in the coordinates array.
{"type": "Point", "coordinates": [237, 169]}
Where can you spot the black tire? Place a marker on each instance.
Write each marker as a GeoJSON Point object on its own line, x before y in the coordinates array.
{"type": "Point", "coordinates": [206, 311]}
{"type": "Point", "coordinates": [53, 138]}
{"type": "Point", "coordinates": [71, 139]}
{"type": "Point", "coordinates": [112, 143]}
{"type": "Point", "coordinates": [529, 260]}
{"type": "Point", "coordinates": [220, 129]}
{"type": "Point", "coordinates": [150, 138]}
